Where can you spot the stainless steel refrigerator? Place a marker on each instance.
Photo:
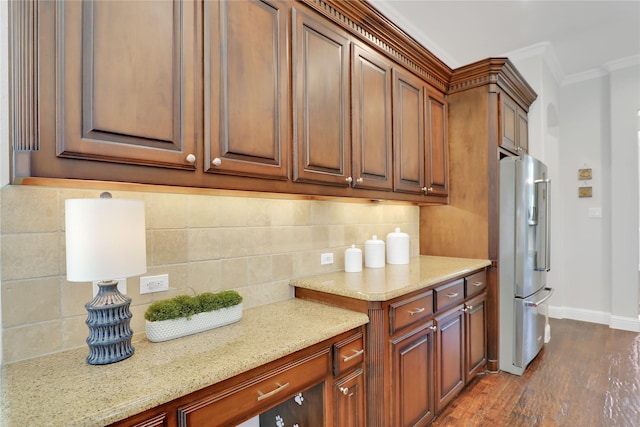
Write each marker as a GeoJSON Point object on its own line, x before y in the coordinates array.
{"type": "Point", "coordinates": [524, 260]}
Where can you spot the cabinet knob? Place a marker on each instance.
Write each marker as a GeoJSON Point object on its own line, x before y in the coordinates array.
{"type": "Point", "coordinates": [349, 180]}
{"type": "Point", "coordinates": [433, 328]}
{"type": "Point", "coordinates": [216, 161]}
{"type": "Point", "coordinates": [344, 390]}
{"type": "Point", "coordinates": [430, 189]}
{"type": "Point", "coordinates": [191, 158]}
{"type": "Point", "coordinates": [424, 189]}
{"type": "Point", "coordinates": [360, 180]}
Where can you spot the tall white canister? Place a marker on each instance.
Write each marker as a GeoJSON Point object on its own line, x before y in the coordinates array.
{"type": "Point", "coordinates": [374, 253]}
{"type": "Point", "coordinates": [398, 247]}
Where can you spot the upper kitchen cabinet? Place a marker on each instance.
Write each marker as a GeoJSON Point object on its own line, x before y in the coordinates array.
{"type": "Point", "coordinates": [420, 136]}
{"type": "Point", "coordinates": [125, 89]}
{"type": "Point", "coordinates": [321, 113]}
{"type": "Point", "coordinates": [515, 125]}
{"type": "Point", "coordinates": [246, 88]}
{"type": "Point", "coordinates": [371, 125]}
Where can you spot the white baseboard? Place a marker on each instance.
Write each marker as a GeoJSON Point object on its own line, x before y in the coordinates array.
{"type": "Point", "coordinates": [592, 316]}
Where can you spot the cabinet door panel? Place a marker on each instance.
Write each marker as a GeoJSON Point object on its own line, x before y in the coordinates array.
{"type": "Point", "coordinates": [126, 82]}
{"type": "Point", "coordinates": [450, 356]}
{"type": "Point", "coordinates": [371, 123]}
{"type": "Point", "coordinates": [509, 118]}
{"type": "Point", "coordinates": [246, 87]}
{"type": "Point", "coordinates": [321, 101]}
{"type": "Point", "coordinates": [413, 381]}
{"type": "Point", "coordinates": [436, 155]}
{"type": "Point", "coordinates": [408, 140]}
{"type": "Point", "coordinates": [523, 130]}
{"type": "Point", "coordinates": [476, 355]}
{"type": "Point", "coordinates": [349, 405]}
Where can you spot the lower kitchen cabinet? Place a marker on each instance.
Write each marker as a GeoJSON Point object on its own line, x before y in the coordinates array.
{"type": "Point", "coordinates": [422, 347]}
{"type": "Point", "coordinates": [450, 344]}
{"type": "Point", "coordinates": [476, 336]}
{"type": "Point", "coordinates": [412, 359]}
{"type": "Point", "coordinates": [309, 388]}
{"type": "Point", "coordinates": [349, 400]}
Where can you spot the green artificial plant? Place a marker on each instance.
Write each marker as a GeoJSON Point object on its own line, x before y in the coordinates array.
{"type": "Point", "coordinates": [186, 306]}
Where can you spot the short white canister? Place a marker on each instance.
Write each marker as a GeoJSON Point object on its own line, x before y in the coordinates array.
{"type": "Point", "coordinates": [398, 247]}
{"type": "Point", "coordinates": [374, 253]}
{"type": "Point", "coordinates": [353, 260]}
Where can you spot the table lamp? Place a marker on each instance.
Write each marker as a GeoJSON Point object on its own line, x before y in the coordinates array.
{"type": "Point", "coordinates": [105, 241]}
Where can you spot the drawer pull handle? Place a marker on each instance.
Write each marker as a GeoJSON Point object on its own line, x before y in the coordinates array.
{"type": "Point", "coordinates": [477, 284]}
{"type": "Point", "coordinates": [355, 354]}
{"type": "Point", "coordinates": [452, 295]}
{"type": "Point", "coordinates": [416, 311]}
{"type": "Point", "coordinates": [263, 396]}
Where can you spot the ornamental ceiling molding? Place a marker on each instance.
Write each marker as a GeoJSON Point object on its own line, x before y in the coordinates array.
{"type": "Point", "coordinates": [362, 19]}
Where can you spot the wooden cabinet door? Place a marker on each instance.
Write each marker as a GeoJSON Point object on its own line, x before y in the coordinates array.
{"type": "Point", "coordinates": [436, 147]}
{"type": "Point", "coordinates": [371, 120]}
{"type": "Point", "coordinates": [246, 88]}
{"type": "Point", "coordinates": [349, 400]}
{"type": "Point", "coordinates": [476, 334]}
{"type": "Point", "coordinates": [126, 82]}
{"type": "Point", "coordinates": [408, 134]}
{"type": "Point", "coordinates": [412, 373]}
{"type": "Point", "coordinates": [320, 57]}
{"type": "Point", "coordinates": [515, 125]}
{"type": "Point", "coordinates": [450, 364]}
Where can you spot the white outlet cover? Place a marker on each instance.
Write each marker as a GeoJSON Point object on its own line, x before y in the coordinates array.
{"type": "Point", "coordinates": [122, 286]}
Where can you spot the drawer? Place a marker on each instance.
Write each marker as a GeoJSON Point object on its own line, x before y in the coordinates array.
{"type": "Point", "coordinates": [411, 310]}
{"type": "Point", "coordinates": [475, 284]}
{"type": "Point", "coordinates": [347, 354]}
{"type": "Point", "coordinates": [449, 294]}
{"type": "Point", "coordinates": [257, 394]}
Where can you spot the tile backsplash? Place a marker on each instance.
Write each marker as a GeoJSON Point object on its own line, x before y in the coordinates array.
{"type": "Point", "coordinates": [254, 245]}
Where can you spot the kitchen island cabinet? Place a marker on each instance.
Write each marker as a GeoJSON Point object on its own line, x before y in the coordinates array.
{"type": "Point", "coordinates": [291, 341]}
{"type": "Point", "coordinates": [417, 332]}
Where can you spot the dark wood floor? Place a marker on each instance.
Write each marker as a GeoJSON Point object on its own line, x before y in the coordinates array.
{"type": "Point", "coordinates": [587, 375]}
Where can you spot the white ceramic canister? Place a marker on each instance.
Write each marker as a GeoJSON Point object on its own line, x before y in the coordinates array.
{"type": "Point", "coordinates": [398, 247]}
{"type": "Point", "coordinates": [353, 260]}
{"type": "Point", "coordinates": [374, 253]}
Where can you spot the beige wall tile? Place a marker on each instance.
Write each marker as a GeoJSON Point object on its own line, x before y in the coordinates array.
{"type": "Point", "coordinates": [258, 212]}
{"type": "Point", "coordinates": [233, 212]}
{"type": "Point", "coordinates": [204, 211]}
{"type": "Point", "coordinates": [75, 295]}
{"type": "Point", "coordinates": [30, 301]}
{"type": "Point", "coordinates": [29, 341]}
{"type": "Point", "coordinates": [281, 212]}
{"type": "Point", "coordinates": [168, 211]}
{"type": "Point", "coordinates": [26, 256]}
{"type": "Point", "coordinates": [233, 273]}
{"type": "Point", "coordinates": [233, 242]}
{"type": "Point", "coordinates": [204, 244]}
{"type": "Point", "coordinates": [282, 265]}
{"type": "Point", "coordinates": [259, 269]}
{"type": "Point", "coordinates": [320, 236]}
{"type": "Point", "coordinates": [259, 241]}
{"type": "Point", "coordinates": [29, 209]}
{"type": "Point", "coordinates": [302, 212]}
{"type": "Point", "coordinates": [169, 247]}
{"type": "Point", "coordinates": [205, 276]}
{"type": "Point", "coordinates": [75, 332]}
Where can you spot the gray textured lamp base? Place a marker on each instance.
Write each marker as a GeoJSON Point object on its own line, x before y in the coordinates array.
{"type": "Point", "coordinates": [108, 318]}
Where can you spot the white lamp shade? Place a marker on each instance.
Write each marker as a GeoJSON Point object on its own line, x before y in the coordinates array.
{"type": "Point", "coordinates": [105, 239]}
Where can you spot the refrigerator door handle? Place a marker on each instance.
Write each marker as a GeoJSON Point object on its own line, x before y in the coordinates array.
{"type": "Point", "coordinates": [537, 303]}
{"type": "Point", "coordinates": [543, 194]}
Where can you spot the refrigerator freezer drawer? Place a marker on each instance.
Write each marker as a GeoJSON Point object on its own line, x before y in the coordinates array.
{"type": "Point", "coordinates": [529, 326]}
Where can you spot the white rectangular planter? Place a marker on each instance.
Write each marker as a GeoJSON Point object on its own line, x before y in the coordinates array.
{"type": "Point", "coordinates": [174, 328]}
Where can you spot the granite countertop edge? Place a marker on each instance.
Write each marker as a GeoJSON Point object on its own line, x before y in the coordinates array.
{"type": "Point", "coordinates": [78, 394]}
{"type": "Point", "coordinates": [392, 281]}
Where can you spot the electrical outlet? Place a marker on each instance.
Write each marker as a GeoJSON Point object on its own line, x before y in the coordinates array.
{"type": "Point", "coordinates": [151, 284]}
{"type": "Point", "coordinates": [122, 286]}
{"type": "Point", "coordinates": [326, 259]}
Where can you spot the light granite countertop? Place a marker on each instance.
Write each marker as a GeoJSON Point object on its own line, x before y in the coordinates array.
{"type": "Point", "coordinates": [391, 281]}
{"type": "Point", "coordinates": [61, 389]}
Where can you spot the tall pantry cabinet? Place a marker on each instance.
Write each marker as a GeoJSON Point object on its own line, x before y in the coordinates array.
{"type": "Point", "coordinates": [488, 105]}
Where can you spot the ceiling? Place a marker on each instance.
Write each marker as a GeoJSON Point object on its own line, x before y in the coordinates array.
{"type": "Point", "coordinates": [580, 36]}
